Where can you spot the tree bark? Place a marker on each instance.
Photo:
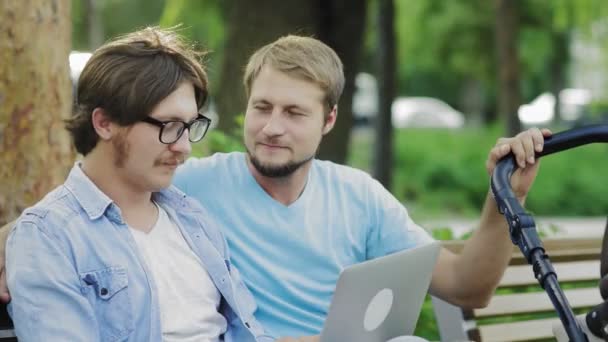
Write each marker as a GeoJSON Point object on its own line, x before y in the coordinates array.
{"type": "Point", "coordinates": [558, 64]}
{"type": "Point", "coordinates": [383, 151]}
{"type": "Point", "coordinates": [509, 93]}
{"type": "Point", "coordinates": [251, 24]}
{"type": "Point", "coordinates": [94, 24]}
{"type": "Point", "coordinates": [35, 96]}
{"type": "Point", "coordinates": [342, 27]}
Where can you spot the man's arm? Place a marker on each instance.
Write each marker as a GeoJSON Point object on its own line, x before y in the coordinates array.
{"type": "Point", "coordinates": [47, 300]}
{"type": "Point", "coordinates": [470, 278]}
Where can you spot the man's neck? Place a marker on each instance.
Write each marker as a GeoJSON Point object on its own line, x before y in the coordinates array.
{"type": "Point", "coordinates": [135, 205]}
{"type": "Point", "coordinates": [284, 190]}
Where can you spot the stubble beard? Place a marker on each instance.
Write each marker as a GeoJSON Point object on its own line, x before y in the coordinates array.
{"type": "Point", "coordinates": [277, 171]}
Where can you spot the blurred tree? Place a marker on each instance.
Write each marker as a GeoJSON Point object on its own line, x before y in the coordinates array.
{"type": "Point", "coordinates": [94, 24]}
{"type": "Point", "coordinates": [251, 24]}
{"type": "Point", "coordinates": [445, 50]}
{"type": "Point", "coordinates": [203, 21]}
{"type": "Point", "coordinates": [35, 96]}
{"type": "Point", "coordinates": [383, 152]}
{"type": "Point", "coordinates": [116, 17]}
{"type": "Point", "coordinates": [509, 92]}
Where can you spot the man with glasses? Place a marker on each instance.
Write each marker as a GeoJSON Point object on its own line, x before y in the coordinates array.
{"type": "Point", "coordinates": [115, 253]}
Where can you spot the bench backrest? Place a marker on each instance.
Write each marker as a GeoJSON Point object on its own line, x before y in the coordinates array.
{"type": "Point", "coordinates": [520, 310]}
{"type": "Point", "coordinates": [7, 333]}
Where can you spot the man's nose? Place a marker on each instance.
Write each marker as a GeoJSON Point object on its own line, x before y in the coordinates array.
{"type": "Point", "coordinates": [183, 144]}
{"type": "Point", "coordinates": [275, 125]}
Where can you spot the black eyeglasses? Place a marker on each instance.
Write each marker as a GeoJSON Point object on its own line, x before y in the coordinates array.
{"type": "Point", "coordinates": [172, 130]}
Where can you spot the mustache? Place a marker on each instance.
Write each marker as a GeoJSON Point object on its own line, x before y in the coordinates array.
{"type": "Point", "coordinates": [272, 142]}
{"type": "Point", "coordinates": [176, 159]}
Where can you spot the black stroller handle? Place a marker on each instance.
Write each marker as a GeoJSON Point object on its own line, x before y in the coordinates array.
{"type": "Point", "coordinates": [556, 143]}
{"type": "Point", "coordinates": [522, 227]}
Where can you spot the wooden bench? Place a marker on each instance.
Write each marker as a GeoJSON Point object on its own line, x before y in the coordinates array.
{"type": "Point", "coordinates": [516, 314]}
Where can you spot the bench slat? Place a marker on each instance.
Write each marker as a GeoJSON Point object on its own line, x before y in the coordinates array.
{"type": "Point", "coordinates": [566, 271]}
{"type": "Point", "coordinates": [518, 331]}
{"type": "Point", "coordinates": [575, 260]}
{"type": "Point", "coordinates": [519, 303]}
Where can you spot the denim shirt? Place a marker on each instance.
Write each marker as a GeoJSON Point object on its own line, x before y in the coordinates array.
{"type": "Point", "coordinates": [75, 273]}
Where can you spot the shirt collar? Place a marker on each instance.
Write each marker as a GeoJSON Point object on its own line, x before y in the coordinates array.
{"type": "Point", "coordinates": [92, 200]}
{"type": "Point", "coordinates": [95, 202]}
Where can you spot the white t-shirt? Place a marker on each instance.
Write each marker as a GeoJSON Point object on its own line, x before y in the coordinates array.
{"type": "Point", "coordinates": [189, 300]}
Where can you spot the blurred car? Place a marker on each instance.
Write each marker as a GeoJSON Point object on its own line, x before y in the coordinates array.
{"type": "Point", "coordinates": [77, 62]}
{"type": "Point", "coordinates": [541, 110]}
{"type": "Point", "coordinates": [425, 112]}
{"type": "Point", "coordinates": [365, 99]}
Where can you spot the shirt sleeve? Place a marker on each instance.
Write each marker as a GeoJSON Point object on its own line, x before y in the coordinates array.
{"type": "Point", "coordinates": [391, 228]}
{"type": "Point", "coordinates": [47, 303]}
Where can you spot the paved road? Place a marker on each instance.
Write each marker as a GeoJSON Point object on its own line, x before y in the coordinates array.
{"type": "Point", "coordinates": [555, 227]}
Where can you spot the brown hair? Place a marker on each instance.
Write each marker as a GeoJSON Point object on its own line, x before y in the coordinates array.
{"type": "Point", "coordinates": [129, 76]}
{"type": "Point", "coordinates": [302, 57]}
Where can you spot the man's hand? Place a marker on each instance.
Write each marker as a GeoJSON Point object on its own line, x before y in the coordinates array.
{"type": "Point", "coordinates": [524, 146]}
{"type": "Point", "coordinates": [315, 338]}
{"type": "Point", "coordinates": [4, 295]}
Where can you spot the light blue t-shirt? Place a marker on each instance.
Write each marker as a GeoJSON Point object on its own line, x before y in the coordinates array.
{"type": "Point", "coordinates": [290, 257]}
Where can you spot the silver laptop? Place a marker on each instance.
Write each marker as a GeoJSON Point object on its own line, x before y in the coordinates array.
{"type": "Point", "coordinates": [380, 299]}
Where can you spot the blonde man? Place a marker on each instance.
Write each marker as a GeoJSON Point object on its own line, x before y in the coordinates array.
{"type": "Point", "coordinates": [294, 222]}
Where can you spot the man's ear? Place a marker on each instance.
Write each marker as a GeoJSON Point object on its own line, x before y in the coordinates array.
{"type": "Point", "coordinates": [330, 120]}
{"type": "Point", "coordinates": [102, 124]}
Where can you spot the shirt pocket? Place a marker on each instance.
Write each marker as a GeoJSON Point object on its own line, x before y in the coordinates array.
{"type": "Point", "coordinates": [107, 290]}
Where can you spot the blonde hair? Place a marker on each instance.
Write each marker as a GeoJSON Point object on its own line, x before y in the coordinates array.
{"type": "Point", "coordinates": [302, 57]}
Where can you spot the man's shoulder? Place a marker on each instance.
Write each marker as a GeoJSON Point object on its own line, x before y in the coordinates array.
{"type": "Point", "coordinates": [201, 175]}
{"type": "Point", "coordinates": [58, 202]}
{"type": "Point", "coordinates": [54, 212]}
{"type": "Point", "coordinates": [214, 160]}
{"type": "Point", "coordinates": [339, 173]}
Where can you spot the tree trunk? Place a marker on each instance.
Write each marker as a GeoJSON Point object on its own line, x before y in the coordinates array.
{"type": "Point", "coordinates": [383, 153]}
{"type": "Point", "coordinates": [342, 27]}
{"type": "Point", "coordinates": [509, 93]}
{"type": "Point", "coordinates": [558, 64]}
{"type": "Point", "coordinates": [94, 24]}
{"type": "Point", "coordinates": [35, 96]}
{"type": "Point", "coordinates": [252, 24]}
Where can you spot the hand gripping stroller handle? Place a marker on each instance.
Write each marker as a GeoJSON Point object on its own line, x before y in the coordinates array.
{"type": "Point", "coordinates": [558, 142]}
{"type": "Point", "coordinates": [522, 228]}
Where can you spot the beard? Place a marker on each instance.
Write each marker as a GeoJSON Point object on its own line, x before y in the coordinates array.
{"type": "Point", "coordinates": [121, 149]}
{"type": "Point", "coordinates": [277, 171]}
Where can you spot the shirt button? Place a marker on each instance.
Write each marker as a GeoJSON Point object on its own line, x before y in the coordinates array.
{"type": "Point", "coordinates": [103, 291]}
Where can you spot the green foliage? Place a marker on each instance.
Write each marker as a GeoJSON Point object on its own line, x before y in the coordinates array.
{"type": "Point", "coordinates": [117, 18]}
{"type": "Point", "coordinates": [443, 43]}
{"type": "Point", "coordinates": [442, 233]}
{"type": "Point", "coordinates": [218, 141]}
{"type": "Point", "coordinates": [427, 326]}
{"type": "Point", "coordinates": [441, 173]}
{"type": "Point", "coordinates": [203, 22]}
